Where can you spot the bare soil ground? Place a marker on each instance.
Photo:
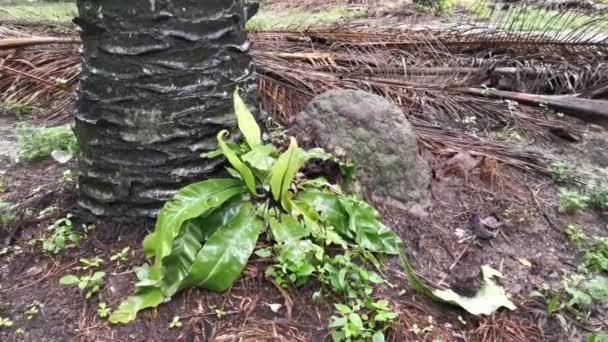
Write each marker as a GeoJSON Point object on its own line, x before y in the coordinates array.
{"type": "Point", "coordinates": [530, 248]}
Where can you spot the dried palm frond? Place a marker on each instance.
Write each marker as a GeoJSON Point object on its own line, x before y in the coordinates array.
{"type": "Point", "coordinates": [424, 70]}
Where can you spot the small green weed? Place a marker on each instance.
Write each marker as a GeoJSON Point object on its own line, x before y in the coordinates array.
{"type": "Point", "coordinates": [58, 11]}
{"type": "Point", "coordinates": [18, 109]}
{"type": "Point", "coordinates": [575, 233]}
{"type": "Point", "coordinates": [561, 171]}
{"type": "Point", "coordinates": [360, 316]}
{"type": "Point", "coordinates": [62, 236]}
{"type": "Point", "coordinates": [91, 263]}
{"type": "Point", "coordinates": [300, 18]}
{"type": "Point", "coordinates": [5, 216]}
{"type": "Point", "coordinates": [69, 176]}
{"type": "Point", "coordinates": [598, 193]}
{"type": "Point", "coordinates": [38, 143]}
{"type": "Point", "coordinates": [599, 337]}
{"type": "Point", "coordinates": [175, 323]}
{"type": "Point", "coordinates": [89, 284]}
{"type": "Point", "coordinates": [103, 311]}
{"type": "Point", "coordinates": [355, 324]}
{"type": "Point", "coordinates": [3, 184]}
{"type": "Point", "coordinates": [121, 256]}
{"type": "Point", "coordinates": [5, 323]}
{"type": "Point", "coordinates": [571, 202]}
{"type": "Point", "coordinates": [595, 257]}
{"type": "Point", "coordinates": [582, 291]}
{"type": "Point", "coordinates": [434, 6]}
{"type": "Point", "coordinates": [33, 310]}
{"type": "Point", "coordinates": [531, 18]}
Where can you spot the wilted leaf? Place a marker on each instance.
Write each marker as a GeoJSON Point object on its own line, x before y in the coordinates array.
{"type": "Point", "coordinates": [490, 297]}
{"type": "Point", "coordinates": [221, 260]}
{"type": "Point", "coordinates": [146, 298]}
{"type": "Point", "coordinates": [247, 124]}
{"type": "Point", "coordinates": [62, 157]}
{"type": "Point", "coordinates": [236, 162]}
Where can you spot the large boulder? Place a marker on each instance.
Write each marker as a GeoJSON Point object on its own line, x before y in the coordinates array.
{"type": "Point", "coordinates": [375, 134]}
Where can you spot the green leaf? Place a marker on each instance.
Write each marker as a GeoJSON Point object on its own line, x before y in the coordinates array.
{"type": "Point", "coordinates": [378, 336]}
{"type": "Point", "coordinates": [247, 124]}
{"type": "Point", "coordinates": [212, 154]}
{"type": "Point", "coordinates": [190, 202]}
{"type": "Point", "coordinates": [287, 229]}
{"type": "Point", "coordinates": [261, 157]}
{"type": "Point", "coordinates": [370, 233]}
{"type": "Point", "coordinates": [69, 280]}
{"type": "Point", "coordinates": [355, 321]}
{"type": "Point", "coordinates": [98, 276]}
{"type": "Point", "coordinates": [337, 322]}
{"type": "Point", "coordinates": [490, 297]}
{"type": "Point", "coordinates": [285, 169]}
{"type": "Point", "coordinates": [331, 209]}
{"type": "Point", "coordinates": [186, 246]}
{"type": "Point", "coordinates": [234, 160]}
{"type": "Point", "coordinates": [221, 260]}
{"type": "Point", "coordinates": [146, 298]}
{"type": "Point", "coordinates": [318, 153]}
{"type": "Point", "coordinates": [264, 252]}
{"type": "Point", "coordinates": [343, 309]}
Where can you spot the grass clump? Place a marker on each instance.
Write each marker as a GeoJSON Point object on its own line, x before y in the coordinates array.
{"type": "Point", "coordinates": [531, 18]}
{"type": "Point", "coordinates": [89, 284]}
{"type": "Point", "coordinates": [561, 171]}
{"type": "Point", "coordinates": [434, 6]}
{"type": "Point", "coordinates": [60, 236]}
{"type": "Point", "coordinates": [5, 215]}
{"type": "Point", "coordinates": [595, 258]}
{"type": "Point", "coordinates": [575, 233]}
{"type": "Point", "coordinates": [38, 143]}
{"type": "Point", "coordinates": [20, 110]}
{"type": "Point", "coordinates": [301, 18]}
{"type": "Point", "coordinates": [57, 11]}
{"type": "Point", "coordinates": [571, 202]}
{"type": "Point", "coordinates": [598, 193]}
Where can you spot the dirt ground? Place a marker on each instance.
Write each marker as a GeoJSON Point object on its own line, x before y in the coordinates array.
{"type": "Point", "coordinates": [530, 249]}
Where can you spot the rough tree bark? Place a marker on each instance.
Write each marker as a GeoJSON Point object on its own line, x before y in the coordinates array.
{"type": "Point", "coordinates": [156, 87]}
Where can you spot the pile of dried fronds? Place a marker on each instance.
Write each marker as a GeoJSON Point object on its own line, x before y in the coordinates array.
{"type": "Point", "coordinates": [444, 78]}
{"type": "Point", "coordinates": [39, 70]}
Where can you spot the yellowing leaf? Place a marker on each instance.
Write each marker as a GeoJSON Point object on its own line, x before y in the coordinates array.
{"type": "Point", "coordinates": [525, 262]}
{"type": "Point", "coordinates": [236, 162]}
{"type": "Point", "coordinates": [247, 124]}
{"type": "Point", "coordinates": [488, 299]}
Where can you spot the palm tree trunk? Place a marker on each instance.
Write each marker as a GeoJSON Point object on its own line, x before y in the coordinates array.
{"type": "Point", "coordinates": [156, 87]}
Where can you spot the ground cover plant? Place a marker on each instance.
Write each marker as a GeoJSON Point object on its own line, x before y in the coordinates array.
{"type": "Point", "coordinates": [205, 235]}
